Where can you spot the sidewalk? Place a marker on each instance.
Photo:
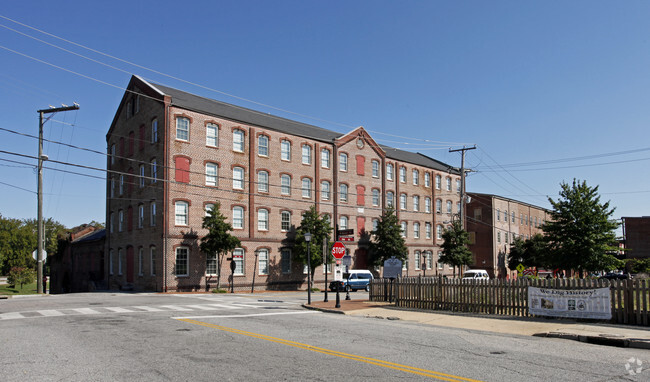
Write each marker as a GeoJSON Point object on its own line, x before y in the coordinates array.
{"type": "Point", "coordinates": [595, 333]}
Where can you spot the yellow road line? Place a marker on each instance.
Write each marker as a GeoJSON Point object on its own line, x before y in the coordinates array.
{"type": "Point", "coordinates": [371, 361]}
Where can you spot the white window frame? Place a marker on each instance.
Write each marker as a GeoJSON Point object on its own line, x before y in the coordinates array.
{"type": "Point", "coordinates": [427, 179]}
{"type": "Point", "coordinates": [343, 162]}
{"type": "Point", "coordinates": [306, 188]}
{"type": "Point", "coordinates": [154, 130]}
{"type": "Point", "coordinates": [182, 129]}
{"type": "Point", "coordinates": [285, 150]}
{"type": "Point", "coordinates": [416, 230]}
{"type": "Point", "coordinates": [263, 261]}
{"type": "Point", "coordinates": [181, 213]}
{"type": "Point", "coordinates": [140, 261]}
{"type": "Point", "coordinates": [416, 203]}
{"type": "Point", "coordinates": [182, 255]}
{"type": "Point", "coordinates": [375, 197]}
{"type": "Point", "coordinates": [343, 192]}
{"type": "Point", "coordinates": [325, 158]}
{"type": "Point", "coordinates": [285, 184]}
{"type": "Point", "coordinates": [402, 174]}
{"type": "Point", "coordinates": [263, 181]}
{"type": "Point", "coordinates": [238, 138]}
{"type": "Point", "coordinates": [427, 230]}
{"type": "Point", "coordinates": [285, 221]}
{"type": "Point", "coordinates": [154, 171]}
{"type": "Point", "coordinates": [239, 262]}
{"type": "Point", "coordinates": [238, 178]}
{"type": "Point", "coordinates": [438, 182]}
{"type": "Point", "coordinates": [211, 174]}
{"type": "Point", "coordinates": [237, 217]}
{"type": "Point", "coordinates": [152, 260]}
{"type": "Point", "coordinates": [404, 228]}
{"type": "Point", "coordinates": [262, 219]}
{"type": "Point", "coordinates": [416, 177]}
{"type": "Point", "coordinates": [141, 176]}
{"type": "Point", "coordinates": [326, 191]}
{"type": "Point", "coordinates": [211, 264]}
{"type": "Point", "coordinates": [390, 199]}
{"type": "Point", "coordinates": [403, 204]}
{"type": "Point", "coordinates": [306, 154]}
{"type": "Point", "coordinates": [343, 222]}
{"type": "Point", "coordinates": [212, 135]}
{"type": "Point", "coordinates": [152, 215]}
{"type": "Point", "coordinates": [263, 145]}
{"type": "Point", "coordinates": [140, 215]}
{"type": "Point", "coordinates": [375, 168]}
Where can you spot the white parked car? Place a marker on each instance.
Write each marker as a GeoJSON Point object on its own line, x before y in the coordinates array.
{"type": "Point", "coordinates": [476, 274]}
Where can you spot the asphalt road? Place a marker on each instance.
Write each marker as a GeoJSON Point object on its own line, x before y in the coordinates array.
{"type": "Point", "coordinates": [270, 337]}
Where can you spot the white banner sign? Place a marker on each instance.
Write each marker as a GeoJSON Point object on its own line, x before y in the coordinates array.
{"type": "Point", "coordinates": [575, 303]}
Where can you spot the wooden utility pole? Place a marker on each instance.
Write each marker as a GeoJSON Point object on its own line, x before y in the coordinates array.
{"type": "Point", "coordinates": [462, 182]}
{"type": "Point", "coordinates": [41, 158]}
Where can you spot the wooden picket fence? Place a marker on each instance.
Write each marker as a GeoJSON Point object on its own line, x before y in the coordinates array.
{"type": "Point", "coordinates": [630, 299]}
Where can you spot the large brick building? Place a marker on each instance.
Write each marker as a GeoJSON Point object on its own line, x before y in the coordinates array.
{"type": "Point", "coordinates": [493, 222]}
{"type": "Point", "coordinates": [636, 233]}
{"type": "Point", "coordinates": [172, 155]}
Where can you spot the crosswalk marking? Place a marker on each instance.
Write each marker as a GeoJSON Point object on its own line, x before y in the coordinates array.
{"type": "Point", "coordinates": [9, 316]}
{"type": "Point", "coordinates": [86, 311]}
{"type": "Point", "coordinates": [176, 308]}
{"type": "Point", "coordinates": [148, 308]}
{"type": "Point", "coordinates": [201, 307]}
{"type": "Point", "coordinates": [119, 310]}
{"type": "Point", "coordinates": [51, 313]}
{"type": "Point", "coordinates": [224, 306]}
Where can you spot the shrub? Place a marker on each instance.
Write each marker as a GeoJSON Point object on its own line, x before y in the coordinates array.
{"type": "Point", "coordinates": [21, 275]}
{"type": "Point", "coordinates": [219, 291]}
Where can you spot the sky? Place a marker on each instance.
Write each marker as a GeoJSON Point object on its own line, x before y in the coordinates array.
{"type": "Point", "coordinates": [548, 91]}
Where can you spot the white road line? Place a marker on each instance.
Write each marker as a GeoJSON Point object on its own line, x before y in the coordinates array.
{"type": "Point", "coordinates": [11, 316]}
{"type": "Point", "coordinates": [85, 311]}
{"type": "Point", "coordinates": [202, 307]}
{"type": "Point", "coordinates": [176, 308]}
{"type": "Point", "coordinates": [250, 315]}
{"type": "Point", "coordinates": [51, 313]}
{"type": "Point", "coordinates": [245, 305]}
{"type": "Point", "coordinates": [119, 310]}
{"type": "Point", "coordinates": [148, 308]}
{"type": "Point", "coordinates": [225, 306]}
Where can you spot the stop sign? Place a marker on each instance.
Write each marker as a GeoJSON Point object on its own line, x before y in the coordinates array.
{"type": "Point", "coordinates": [338, 250]}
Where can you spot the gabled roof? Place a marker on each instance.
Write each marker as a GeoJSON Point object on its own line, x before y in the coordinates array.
{"type": "Point", "coordinates": [216, 108]}
{"type": "Point", "coordinates": [93, 236]}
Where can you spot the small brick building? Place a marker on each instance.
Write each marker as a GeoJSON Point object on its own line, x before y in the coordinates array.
{"type": "Point", "coordinates": [636, 232]}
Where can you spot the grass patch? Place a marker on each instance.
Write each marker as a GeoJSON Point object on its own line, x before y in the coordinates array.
{"type": "Point", "coordinates": [27, 289]}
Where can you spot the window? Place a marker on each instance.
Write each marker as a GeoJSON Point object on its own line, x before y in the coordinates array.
{"type": "Point", "coordinates": [238, 257]}
{"type": "Point", "coordinates": [285, 260]}
{"type": "Point", "coordinates": [181, 211]}
{"type": "Point", "coordinates": [375, 169]}
{"type": "Point", "coordinates": [390, 199]}
{"type": "Point", "coordinates": [111, 222]}
{"type": "Point", "coordinates": [285, 184]}
{"type": "Point", "coordinates": [262, 181]}
{"type": "Point", "coordinates": [427, 179]}
{"type": "Point", "coordinates": [416, 177]}
{"type": "Point", "coordinates": [449, 206]}
{"type": "Point", "coordinates": [498, 214]}
{"type": "Point", "coordinates": [211, 174]}
{"type": "Point", "coordinates": [140, 261]}
{"type": "Point", "coordinates": [429, 258]}
{"type": "Point", "coordinates": [458, 186]}
{"type": "Point", "coordinates": [285, 218]}
{"type": "Point", "coordinates": [119, 261]}
{"type": "Point", "coordinates": [375, 224]}
{"type": "Point", "coordinates": [325, 190]}
{"type": "Point", "coordinates": [152, 218]}
{"type": "Point", "coordinates": [140, 215]}
{"type": "Point", "coordinates": [402, 174]}
{"type": "Point", "coordinates": [285, 150]}
{"type": "Point", "coordinates": [361, 165]}
{"type": "Point", "coordinates": [498, 236]}
{"type": "Point", "coordinates": [182, 129]}
{"type": "Point", "coordinates": [263, 261]}
{"type": "Point", "coordinates": [263, 145]}
{"type": "Point", "coordinates": [438, 181]}
{"type": "Point", "coordinates": [306, 188]}
{"type": "Point", "coordinates": [375, 197]}
{"type": "Point", "coordinates": [208, 208]}
{"type": "Point", "coordinates": [427, 230]}
{"type": "Point", "coordinates": [262, 220]}
{"type": "Point", "coordinates": [131, 142]}
{"type": "Point", "coordinates": [438, 206]}
{"type": "Point", "coordinates": [439, 232]}
{"type": "Point", "coordinates": [113, 153]}
{"type": "Point", "coordinates": [440, 264]}
{"type": "Point", "coordinates": [141, 183]}
{"type": "Point", "coordinates": [306, 154]}
{"type": "Point", "coordinates": [343, 162]}
{"type": "Point", "coordinates": [238, 140]}
{"type": "Point", "coordinates": [182, 173]}
{"type": "Point", "coordinates": [448, 184]}
{"type": "Point", "coordinates": [389, 171]}
{"type": "Point", "coordinates": [238, 178]}
{"type": "Point", "coordinates": [238, 218]}
{"type": "Point", "coordinates": [402, 201]}
{"type": "Point", "coordinates": [154, 171]}
{"type": "Point", "coordinates": [416, 203]}
{"type": "Point", "coordinates": [325, 158]}
{"type": "Point", "coordinates": [427, 205]}
{"type": "Point", "coordinates": [152, 261]}
{"type": "Point", "coordinates": [343, 192]}
{"type": "Point", "coordinates": [521, 219]}
{"type": "Point", "coordinates": [120, 221]}
{"type": "Point", "coordinates": [457, 207]}
{"type": "Point", "coordinates": [512, 213]}
{"type": "Point", "coordinates": [343, 222]}
{"type": "Point", "coordinates": [416, 230]}
{"type": "Point", "coordinates": [121, 184]}
{"type": "Point", "coordinates": [505, 236]}
{"type": "Point", "coordinates": [211, 264]}
{"type": "Point", "coordinates": [211, 135]}
{"type": "Point", "coordinates": [417, 260]}
{"type": "Point", "coordinates": [404, 228]}
{"type": "Point", "coordinates": [182, 259]}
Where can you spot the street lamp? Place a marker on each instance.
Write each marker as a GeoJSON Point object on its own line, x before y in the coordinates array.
{"type": "Point", "coordinates": [257, 253]}
{"type": "Point", "coordinates": [308, 240]}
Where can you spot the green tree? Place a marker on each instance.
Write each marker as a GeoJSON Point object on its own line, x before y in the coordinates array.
{"type": "Point", "coordinates": [21, 275]}
{"type": "Point", "coordinates": [17, 242]}
{"type": "Point", "coordinates": [529, 253]}
{"type": "Point", "coordinates": [320, 229]}
{"type": "Point", "coordinates": [454, 247]}
{"type": "Point", "coordinates": [388, 239]}
{"type": "Point", "coordinates": [218, 242]}
{"type": "Point", "coordinates": [581, 231]}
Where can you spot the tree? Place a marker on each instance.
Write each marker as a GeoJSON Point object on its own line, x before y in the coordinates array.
{"type": "Point", "coordinates": [454, 247]}
{"type": "Point", "coordinates": [581, 231]}
{"type": "Point", "coordinates": [21, 275]}
{"type": "Point", "coordinates": [218, 241]}
{"type": "Point", "coordinates": [529, 253]}
{"type": "Point", "coordinates": [17, 242]}
{"type": "Point", "coordinates": [388, 239]}
{"type": "Point", "coordinates": [320, 229]}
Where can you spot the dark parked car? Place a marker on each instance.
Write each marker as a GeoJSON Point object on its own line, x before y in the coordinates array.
{"type": "Point", "coordinates": [616, 276]}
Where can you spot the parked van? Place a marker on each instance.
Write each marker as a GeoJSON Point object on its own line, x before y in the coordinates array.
{"type": "Point", "coordinates": [476, 274]}
{"type": "Point", "coordinates": [353, 280]}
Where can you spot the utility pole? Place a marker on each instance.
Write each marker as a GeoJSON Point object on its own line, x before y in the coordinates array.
{"type": "Point", "coordinates": [462, 182]}
{"type": "Point", "coordinates": [41, 158]}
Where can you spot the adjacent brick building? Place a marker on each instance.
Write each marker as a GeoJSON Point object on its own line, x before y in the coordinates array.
{"type": "Point", "coordinates": [636, 233]}
{"type": "Point", "coordinates": [172, 155]}
{"type": "Point", "coordinates": [493, 222]}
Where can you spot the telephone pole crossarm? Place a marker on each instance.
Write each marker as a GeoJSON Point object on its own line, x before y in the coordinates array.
{"type": "Point", "coordinates": [462, 182]}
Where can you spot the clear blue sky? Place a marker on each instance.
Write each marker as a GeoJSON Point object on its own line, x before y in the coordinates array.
{"type": "Point", "coordinates": [549, 82]}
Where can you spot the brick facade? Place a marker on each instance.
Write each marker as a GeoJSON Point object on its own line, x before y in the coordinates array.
{"type": "Point", "coordinates": [250, 166]}
{"type": "Point", "coordinates": [636, 231]}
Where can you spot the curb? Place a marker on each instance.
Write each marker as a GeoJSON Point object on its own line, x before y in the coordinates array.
{"type": "Point", "coordinates": [325, 310]}
{"type": "Point", "coordinates": [606, 340]}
